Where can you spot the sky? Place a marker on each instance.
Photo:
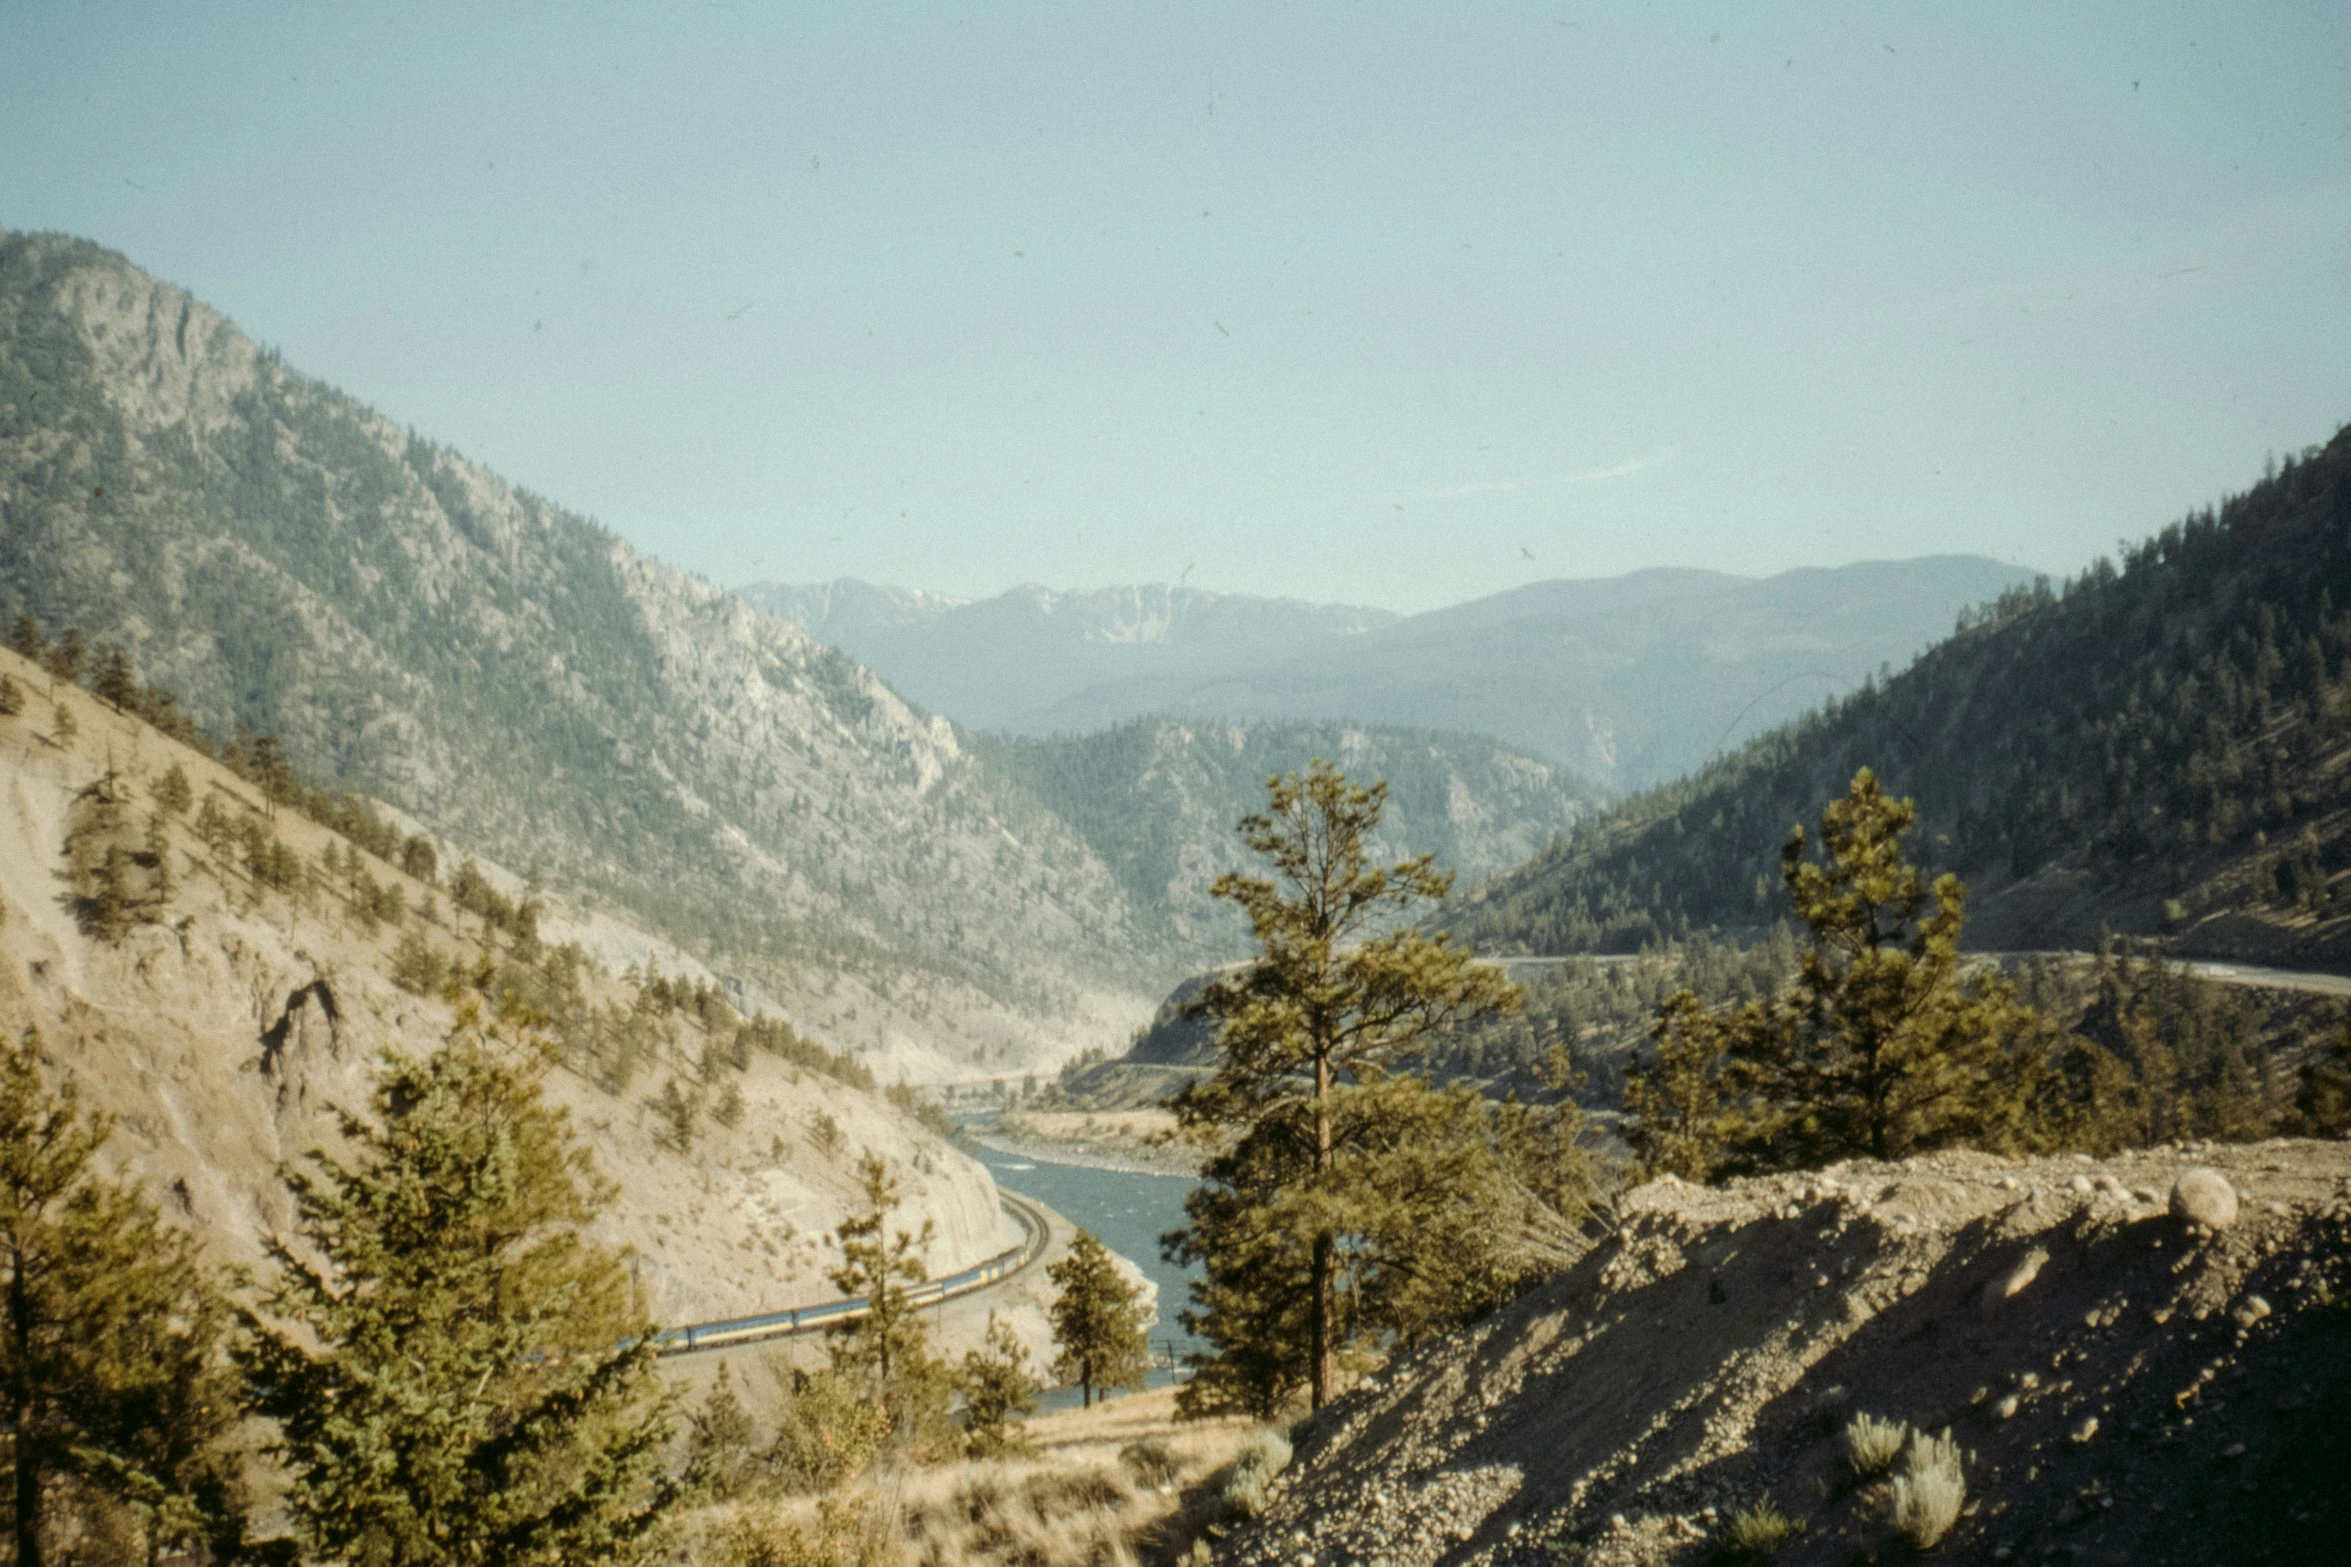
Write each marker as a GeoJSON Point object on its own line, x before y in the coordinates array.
{"type": "Point", "coordinates": [1387, 305]}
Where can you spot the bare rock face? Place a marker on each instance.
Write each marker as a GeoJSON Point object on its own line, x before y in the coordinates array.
{"type": "Point", "coordinates": [2204, 1196]}
{"type": "Point", "coordinates": [2120, 1391]}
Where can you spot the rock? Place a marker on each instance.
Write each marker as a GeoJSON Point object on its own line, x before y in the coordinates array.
{"type": "Point", "coordinates": [2081, 1185]}
{"type": "Point", "coordinates": [2204, 1196]}
{"type": "Point", "coordinates": [2251, 1310]}
{"type": "Point", "coordinates": [2233, 1450]}
{"type": "Point", "coordinates": [2087, 1429]}
{"type": "Point", "coordinates": [2012, 1283]}
{"type": "Point", "coordinates": [2007, 1407]}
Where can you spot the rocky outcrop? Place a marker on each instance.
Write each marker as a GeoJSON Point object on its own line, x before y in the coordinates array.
{"type": "Point", "coordinates": [2125, 1385]}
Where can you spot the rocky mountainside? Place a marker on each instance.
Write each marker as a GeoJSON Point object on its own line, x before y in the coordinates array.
{"type": "Point", "coordinates": [2163, 748]}
{"type": "Point", "coordinates": [990, 664]}
{"type": "Point", "coordinates": [221, 1003]}
{"type": "Point", "coordinates": [1627, 681]}
{"type": "Point", "coordinates": [420, 629]}
{"type": "Point", "coordinates": [2136, 1364]}
{"type": "Point", "coordinates": [1156, 800]}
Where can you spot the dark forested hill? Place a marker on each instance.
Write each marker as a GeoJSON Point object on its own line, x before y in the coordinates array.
{"type": "Point", "coordinates": [2162, 747]}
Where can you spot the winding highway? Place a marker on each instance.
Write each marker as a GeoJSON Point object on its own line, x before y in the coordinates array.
{"type": "Point", "coordinates": [2219, 971]}
{"type": "Point", "coordinates": [733, 1332]}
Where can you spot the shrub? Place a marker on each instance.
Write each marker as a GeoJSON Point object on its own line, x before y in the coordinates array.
{"type": "Point", "coordinates": [1151, 1461]}
{"type": "Point", "coordinates": [1261, 1458]}
{"type": "Point", "coordinates": [827, 1434]}
{"type": "Point", "coordinates": [11, 697]}
{"type": "Point", "coordinates": [1929, 1490]}
{"type": "Point", "coordinates": [418, 966]}
{"type": "Point", "coordinates": [1872, 1445]}
{"type": "Point", "coordinates": [1761, 1529]}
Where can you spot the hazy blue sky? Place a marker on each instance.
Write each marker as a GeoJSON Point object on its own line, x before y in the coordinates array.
{"type": "Point", "coordinates": [1395, 305]}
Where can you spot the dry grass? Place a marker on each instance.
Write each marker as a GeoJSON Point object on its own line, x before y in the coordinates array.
{"type": "Point", "coordinates": [1872, 1445]}
{"type": "Point", "coordinates": [1930, 1489]}
{"type": "Point", "coordinates": [1074, 1501]}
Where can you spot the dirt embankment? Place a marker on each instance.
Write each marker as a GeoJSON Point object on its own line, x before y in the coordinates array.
{"type": "Point", "coordinates": [2125, 1386]}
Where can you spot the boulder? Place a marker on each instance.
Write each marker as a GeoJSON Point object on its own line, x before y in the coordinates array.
{"type": "Point", "coordinates": [2204, 1196]}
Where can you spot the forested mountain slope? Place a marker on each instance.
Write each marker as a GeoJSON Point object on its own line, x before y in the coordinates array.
{"type": "Point", "coordinates": [420, 629]}
{"type": "Point", "coordinates": [2161, 748]}
{"type": "Point", "coordinates": [1157, 801]}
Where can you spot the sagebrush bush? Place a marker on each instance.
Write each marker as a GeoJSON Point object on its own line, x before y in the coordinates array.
{"type": "Point", "coordinates": [1872, 1445]}
{"type": "Point", "coordinates": [1930, 1489]}
{"type": "Point", "coordinates": [1761, 1529]}
{"type": "Point", "coordinates": [1151, 1461]}
{"type": "Point", "coordinates": [1261, 1458]}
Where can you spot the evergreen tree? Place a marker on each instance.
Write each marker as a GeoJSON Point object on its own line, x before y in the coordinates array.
{"type": "Point", "coordinates": [65, 658]}
{"type": "Point", "coordinates": [24, 635]}
{"type": "Point", "coordinates": [1675, 1118]}
{"type": "Point", "coordinates": [1883, 1046]}
{"type": "Point", "coordinates": [11, 697]}
{"type": "Point", "coordinates": [459, 1376]}
{"type": "Point", "coordinates": [885, 1351]}
{"type": "Point", "coordinates": [1099, 1320]}
{"type": "Point", "coordinates": [111, 1371]}
{"type": "Point", "coordinates": [113, 680]}
{"type": "Point", "coordinates": [720, 1450]}
{"type": "Point", "coordinates": [998, 1389]}
{"type": "Point", "coordinates": [1340, 990]}
{"type": "Point", "coordinates": [418, 859]}
{"type": "Point", "coordinates": [172, 794]}
{"type": "Point", "coordinates": [62, 725]}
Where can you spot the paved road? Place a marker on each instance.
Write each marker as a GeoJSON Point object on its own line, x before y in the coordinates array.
{"type": "Point", "coordinates": [2307, 981]}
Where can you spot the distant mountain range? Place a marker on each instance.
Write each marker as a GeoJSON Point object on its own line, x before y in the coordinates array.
{"type": "Point", "coordinates": [1007, 662]}
{"type": "Point", "coordinates": [1627, 681]}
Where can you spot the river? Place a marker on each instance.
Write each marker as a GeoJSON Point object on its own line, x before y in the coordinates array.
{"type": "Point", "coordinates": [1129, 1212]}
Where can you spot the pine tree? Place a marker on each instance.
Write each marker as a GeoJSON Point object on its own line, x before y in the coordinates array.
{"type": "Point", "coordinates": [1675, 1118]}
{"type": "Point", "coordinates": [998, 1389]}
{"type": "Point", "coordinates": [885, 1351]}
{"type": "Point", "coordinates": [113, 680]}
{"type": "Point", "coordinates": [111, 1371]}
{"type": "Point", "coordinates": [11, 697]}
{"type": "Point", "coordinates": [1340, 991]}
{"type": "Point", "coordinates": [459, 1376]}
{"type": "Point", "coordinates": [62, 725]}
{"type": "Point", "coordinates": [172, 794]}
{"type": "Point", "coordinates": [1884, 1047]}
{"type": "Point", "coordinates": [65, 658]}
{"type": "Point", "coordinates": [720, 1449]}
{"type": "Point", "coordinates": [24, 635]}
{"type": "Point", "coordinates": [1099, 1320]}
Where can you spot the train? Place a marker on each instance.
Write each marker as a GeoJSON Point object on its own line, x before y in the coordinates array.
{"type": "Point", "coordinates": [730, 1332]}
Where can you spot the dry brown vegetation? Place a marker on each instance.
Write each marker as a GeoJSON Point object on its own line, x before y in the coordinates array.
{"type": "Point", "coordinates": [1123, 1484]}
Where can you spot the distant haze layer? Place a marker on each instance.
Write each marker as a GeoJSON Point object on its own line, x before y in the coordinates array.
{"type": "Point", "coordinates": [1629, 681]}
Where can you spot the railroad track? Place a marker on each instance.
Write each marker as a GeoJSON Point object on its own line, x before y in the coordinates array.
{"type": "Point", "coordinates": [732, 1332]}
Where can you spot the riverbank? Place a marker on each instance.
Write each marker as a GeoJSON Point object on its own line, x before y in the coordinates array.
{"type": "Point", "coordinates": [1126, 1143]}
